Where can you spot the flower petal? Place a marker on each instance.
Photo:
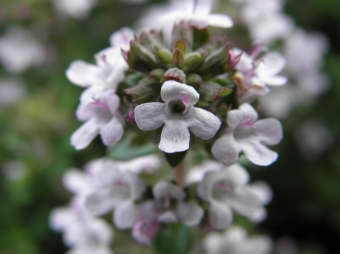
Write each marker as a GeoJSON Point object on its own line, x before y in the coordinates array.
{"type": "Point", "coordinates": [149, 116]}
{"type": "Point", "coordinates": [77, 181]}
{"type": "Point", "coordinates": [163, 189]}
{"type": "Point", "coordinates": [220, 215]}
{"type": "Point", "coordinates": [238, 116]}
{"type": "Point", "coordinates": [103, 200]}
{"type": "Point", "coordinates": [167, 217]}
{"type": "Point", "coordinates": [189, 214]}
{"type": "Point", "coordinates": [175, 135]}
{"type": "Point", "coordinates": [220, 20]}
{"type": "Point", "coordinates": [226, 150]}
{"type": "Point", "coordinates": [83, 136]}
{"type": "Point", "coordinates": [84, 74]}
{"type": "Point", "coordinates": [111, 132]}
{"type": "Point", "coordinates": [173, 90]}
{"type": "Point", "coordinates": [204, 124]}
{"type": "Point", "coordinates": [269, 131]}
{"type": "Point", "coordinates": [125, 214]}
{"type": "Point", "coordinates": [258, 153]}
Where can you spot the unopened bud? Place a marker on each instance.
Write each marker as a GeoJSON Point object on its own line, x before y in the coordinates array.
{"type": "Point", "coordinates": [164, 56]}
{"type": "Point", "coordinates": [141, 58]}
{"type": "Point", "coordinates": [192, 60]}
{"type": "Point", "coordinates": [174, 74]}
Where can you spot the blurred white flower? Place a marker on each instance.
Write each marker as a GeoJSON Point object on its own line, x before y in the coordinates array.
{"type": "Point", "coordinates": [19, 50]}
{"type": "Point", "coordinates": [78, 9]}
{"type": "Point", "coordinates": [228, 190]}
{"type": "Point", "coordinates": [246, 134]}
{"type": "Point", "coordinates": [12, 90]}
{"type": "Point", "coordinates": [236, 241]}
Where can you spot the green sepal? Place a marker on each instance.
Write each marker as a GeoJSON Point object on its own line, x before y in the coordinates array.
{"type": "Point", "coordinates": [194, 80]}
{"type": "Point", "coordinates": [184, 32]}
{"type": "Point", "coordinates": [175, 158]}
{"type": "Point", "coordinates": [201, 37]}
{"type": "Point", "coordinates": [175, 238]}
{"type": "Point", "coordinates": [211, 91]}
{"type": "Point", "coordinates": [191, 61]}
{"type": "Point", "coordinates": [141, 58]}
{"type": "Point", "coordinates": [216, 63]}
{"type": "Point", "coordinates": [147, 90]}
{"type": "Point", "coordinates": [165, 56]}
{"type": "Point", "coordinates": [178, 58]}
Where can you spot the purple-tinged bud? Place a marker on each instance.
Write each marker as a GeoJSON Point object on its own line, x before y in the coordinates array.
{"type": "Point", "coordinates": [174, 74]}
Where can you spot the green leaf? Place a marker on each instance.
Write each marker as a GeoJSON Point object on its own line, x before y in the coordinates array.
{"type": "Point", "coordinates": [174, 238]}
{"type": "Point", "coordinates": [129, 148]}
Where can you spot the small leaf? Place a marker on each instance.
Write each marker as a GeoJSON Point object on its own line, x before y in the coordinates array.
{"type": "Point", "coordinates": [173, 239]}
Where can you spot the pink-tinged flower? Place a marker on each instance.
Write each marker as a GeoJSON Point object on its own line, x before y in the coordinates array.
{"type": "Point", "coordinates": [168, 207]}
{"type": "Point", "coordinates": [102, 117]}
{"type": "Point", "coordinates": [147, 225]}
{"type": "Point", "coordinates": [178, 115]}
{"type": "Point", "coordinates": [116, 189]}
{"type": "Point", "coordinates": [236, 241]}
{"type": "Point", "coordinates": [245, 134]}
{"type": "Point", "coordinates": [108, 71]}
{"type": "Point", "coordinates": [189, 214]}
{"type": "Point", "coordinates": [253, 76]}
{"type": "Point", "coordinates": [228, 190]}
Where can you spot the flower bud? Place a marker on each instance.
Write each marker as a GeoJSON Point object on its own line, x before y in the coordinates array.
{"type": "Point", "coordinates": [174, 74]}
{"type": "Point", "coordinates": [141, 58]}
{"type": "Point", "coordinates": [216, 63]}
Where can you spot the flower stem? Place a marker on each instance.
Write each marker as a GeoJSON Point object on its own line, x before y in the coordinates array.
{"type": "Point", "coordinates": [179, 172]}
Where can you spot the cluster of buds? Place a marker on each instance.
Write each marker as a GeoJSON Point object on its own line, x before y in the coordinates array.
{"type": "Point", "coordinates": [188, 91]}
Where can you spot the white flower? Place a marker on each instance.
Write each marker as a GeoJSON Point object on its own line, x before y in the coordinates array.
{"type": "Point", "coordinates": [101, 116]}
{"type": "Point", "coordinates": [189, 214]}
{"type": "Point", "coordinates": [115, 189]}
{"type": "Point", "coordinates": [78, 9]}
{"type": "Point", "coordinates": [250, 137]}
{"type": "Point", "coordinates": [147, 225]}
{"type": "Point", "coordinates": [19, 50]}
{"type": "Point", "coordinates": [79, 227]}
{"type": "Point", "coordinates": [108, 71]}
{"type": "Point", "coordinates": [196, 174]}
{"type": "Point", "coordinates": [196, 13]}
{"type": "Point", "coordinates": [178, 116]}
{"type": "Point", "coordinates": [266, 21]}
{"type": "Point", "coordinates": [228, 190]}
{"type": "Point", "coordinates": [253, 76]}
{"type": "Point", "coordinates": [235, 241]}
{"type": "Point", "coordinates": [12, 90]}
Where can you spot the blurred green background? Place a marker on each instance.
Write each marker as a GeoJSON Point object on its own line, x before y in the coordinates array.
{"type": "Point", "coordinates": [36, 132]}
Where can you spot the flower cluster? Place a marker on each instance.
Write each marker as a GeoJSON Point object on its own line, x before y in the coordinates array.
{"type": "Point", "coordinates": [183, 88]}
